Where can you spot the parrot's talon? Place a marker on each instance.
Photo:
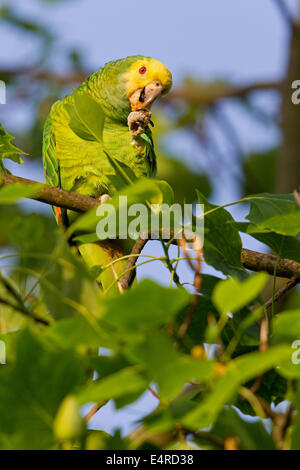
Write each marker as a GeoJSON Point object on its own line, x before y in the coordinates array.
{"type": "Point", "coordinates": [138, 121]}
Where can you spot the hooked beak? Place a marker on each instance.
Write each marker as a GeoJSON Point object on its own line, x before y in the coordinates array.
{"type": "Point", "coordinates": [144, 97]}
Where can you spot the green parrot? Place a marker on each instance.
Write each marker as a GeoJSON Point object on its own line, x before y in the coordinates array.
{"type": "Point", "coordinates": [125, 89]}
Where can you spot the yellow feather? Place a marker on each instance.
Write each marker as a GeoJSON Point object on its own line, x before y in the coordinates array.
{"type": "Point", "coordinates": [155, 71]}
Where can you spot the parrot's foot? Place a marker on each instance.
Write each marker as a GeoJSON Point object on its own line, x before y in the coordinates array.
{"type": "Point", "coordinates": [138, 121]}
{"type": "Point", "coordinates": [104, 198]}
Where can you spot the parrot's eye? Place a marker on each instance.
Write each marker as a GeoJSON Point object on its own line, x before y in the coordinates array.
{"type": "Point", "coordinates": [143, 70]}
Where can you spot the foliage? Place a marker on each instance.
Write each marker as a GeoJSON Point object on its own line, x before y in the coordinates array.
{"type": "Point", "coordinates": [216, 385]}
{"type": "Point", "coordinates": [54, 318]}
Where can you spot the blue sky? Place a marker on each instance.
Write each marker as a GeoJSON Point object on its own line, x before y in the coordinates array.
{"type": "Point", "coordinates": [236, 40]}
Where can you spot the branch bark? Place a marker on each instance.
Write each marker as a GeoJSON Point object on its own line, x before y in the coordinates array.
{"type": "Point", "coordinates": [251, 260]}
{"type": "Point", "coordinates": [54, 196]}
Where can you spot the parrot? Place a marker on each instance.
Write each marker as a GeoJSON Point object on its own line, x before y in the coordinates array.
{"type": "Point", "coordinates": [125, 89]}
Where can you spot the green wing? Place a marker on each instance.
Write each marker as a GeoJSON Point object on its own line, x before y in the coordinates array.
{"type": "Point", "coordinates": [50, 162]}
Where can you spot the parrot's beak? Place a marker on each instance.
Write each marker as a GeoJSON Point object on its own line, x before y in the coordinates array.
{"type": "Point", "coordinates": [144, 97]}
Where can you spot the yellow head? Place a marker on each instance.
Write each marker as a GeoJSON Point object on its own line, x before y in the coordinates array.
{"type": "Point", "coordinates": [145, 80]}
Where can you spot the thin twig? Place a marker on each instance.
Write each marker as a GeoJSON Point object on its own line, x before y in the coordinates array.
{"type": "Point", "coordinates": [282, 291]}
{"type": "Point", "coordinates": [172, 270]}
{"type": "Point", "coordinates": [128, 278]}
{"type": "Point", "coordinates": [95, 408]}
{"type": "Point", "coordinates": [263, 345]}
{"type": "Point", "coordinates": [197, 285]}
{"type": "Point", "coordinates": [23, 311]}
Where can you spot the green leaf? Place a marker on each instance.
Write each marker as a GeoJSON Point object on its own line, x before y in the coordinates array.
{"type": "Point", "coordinates": [31, 390]}
{"type": "Point", "coordinates": [166, 195]}
{"type": "Point", "coordinates": [276, 213]}
{"type": "Point", "coordinates": [284, 246]}
{"type": "Point", "coordinates": [74, 332]}
{"type": "Point", "coordinates": [296, 424]}
{"type": "Point", "coordinates": [239, 371]}
{"type": "Point", "coordinates": [231, 295]}
{"type": "Point", "coordinates": [286, 329]}
{"type": "Point", "coordinates": [142, 191]}
{"type": "Point", "coordinates": [167, 367]}
{"type": "Point", "coordinates": [9, 150]}
{"type": "Point", "coordinates": [222, 242]}
{"type": "Point", "coordinates": [123, 173]}
{"type": "Point", "coordinates": [260, 172]}
{"type": "Point", "coordinates": [67, 287]}
{"type": "Point", "coordinates": [131, 313]}
{"type": "Point", "coordinates": [115, 385]}
{"type": "Point", "coordinates": [68, 424]}
{"type": "Point", "coordinates": [251, 435]}
{"type": "Point", "coordinates": [195, 333]}
{"type": "Point", "coordinates": [86, 116]}
{"type": "Point", "coordinates": [181, 178]}
{"type": "Point", "coordinates": [13, 192]}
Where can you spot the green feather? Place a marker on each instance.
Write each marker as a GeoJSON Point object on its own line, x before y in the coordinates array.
{"type": "Point", "coordinates": [79, 132]}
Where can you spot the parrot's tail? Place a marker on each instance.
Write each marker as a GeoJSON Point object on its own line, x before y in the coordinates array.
{"type": "Point", "coordinates": [106, 254]}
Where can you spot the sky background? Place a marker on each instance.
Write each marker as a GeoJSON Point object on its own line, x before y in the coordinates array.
{"type": "Point", "coordinates": [242, 41]}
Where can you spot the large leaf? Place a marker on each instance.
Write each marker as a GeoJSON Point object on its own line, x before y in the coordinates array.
{"type": "Point", "coordinates": [31, 390]}
{"type": "Point", "coordinates": [250, 435]}
{"type": "Point", "coordinates": [277, 213]}
{"type": "Point", "coordinates": [296, 423]}
{"type": "Point", "coordinates": [238, 371]}
{"type": "Point", "coordinates": [126, 381]}
{"type": "Point", "coordinates": [222, 242]}
{"type": "Point", "coordinates": [66, 286]}
{"type": "Point", "coordinates": [86, 117]}
{"type": "Point", "coordinates": [142, 191]}
{"type": "Point", "coordinates": [169, 369]}
{"type": "Point", "coordinates": [13, 192]}
{"type": "Point", "coordinates": [130, 313]}
{"type": "Point", "coordinates": [286, 329]}
{"type": "Point", "coordinates": [123, 173]}
{"type": "Point", "coordinates": [260, 172]}
{"type": "Point", "coordinates": [8, 149]}
{"type": "Point", "coordinates": [285, 246]}
{"type": "Point", "coordinates": [231, 295]}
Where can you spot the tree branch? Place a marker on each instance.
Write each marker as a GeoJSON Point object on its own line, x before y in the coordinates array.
{"type": "Point", "coordinates": [282, 291]}
{"type": "Point", "coordinates": [207, 95]}
{"type": "Point", "coordinates": [128, 278]}
{"type": "Point", "coordinates": [251, 260]}
{"type": "Point", "coordinates": [255, 261]}
{"type": "Point", "coordinates": [54, 196]}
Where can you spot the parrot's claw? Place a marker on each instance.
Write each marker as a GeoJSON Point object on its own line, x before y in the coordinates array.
{"type": "Point", "coordinates": [138, 121]}
{"type": "Point", "coordinates": [104, 198]}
